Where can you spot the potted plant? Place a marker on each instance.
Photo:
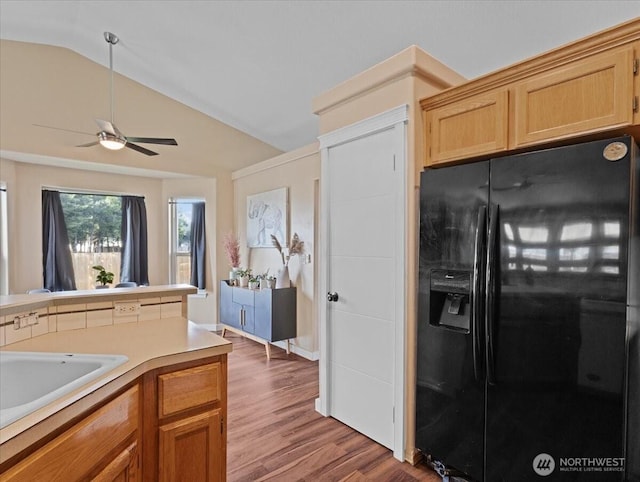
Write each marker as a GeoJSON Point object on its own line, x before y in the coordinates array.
{"type": "Point", "coordinates": [104, 277]}
{"type": "Point", "coordinates": [243, 277]}
{"type": "Point", "coordinates": [253, 282]}
{"type": "Point", "coordinates": [263, 278]}
{"type": "Point", "coordinates": [271, 282]}
{"type": "Point", "coordinates": [232, 250]}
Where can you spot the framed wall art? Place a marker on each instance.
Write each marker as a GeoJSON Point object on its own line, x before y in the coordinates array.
{"type": "Point", "coordinates": [267, 215]}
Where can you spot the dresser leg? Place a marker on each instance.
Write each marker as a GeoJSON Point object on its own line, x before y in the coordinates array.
{"type": "Point", "coordinates": [267, 348]}
{"type": "Point", "coordinates": [288, 346]}
{"type": "Point", "coordinates": [224, 330]}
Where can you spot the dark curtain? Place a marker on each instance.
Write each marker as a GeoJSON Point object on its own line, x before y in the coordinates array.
{"type": "Point", "coordinates": [197, 246]}
{"type": "Point", "coordinates": [134, 264]}
{"type": "Point", "coordinates": [57, 265]}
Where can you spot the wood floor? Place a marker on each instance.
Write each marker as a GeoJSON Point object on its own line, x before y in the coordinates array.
{"type": "Point", "coordinates": [274, 432]}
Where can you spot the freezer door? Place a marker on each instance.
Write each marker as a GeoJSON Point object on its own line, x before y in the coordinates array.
{"type": "Point", "coordinates": [450, 387]}
{"type": "Point", "coordinates": [556, 363]}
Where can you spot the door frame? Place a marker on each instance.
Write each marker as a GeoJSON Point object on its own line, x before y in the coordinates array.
{"type": "Point", "coordinates": [395, 119]}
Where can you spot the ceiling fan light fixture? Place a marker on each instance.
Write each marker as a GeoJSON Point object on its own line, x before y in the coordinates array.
{"type": "Point", "coordinates": [111, 141]}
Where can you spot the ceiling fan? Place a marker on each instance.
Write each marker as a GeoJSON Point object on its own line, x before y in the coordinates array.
{"type": "Point", "coordinates": [109, 135]}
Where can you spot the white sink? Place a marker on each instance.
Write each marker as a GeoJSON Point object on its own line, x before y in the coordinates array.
{"type": "Point", "coordinates": [29, 381]}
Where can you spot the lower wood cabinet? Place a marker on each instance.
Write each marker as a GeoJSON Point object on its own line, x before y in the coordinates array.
{"type": "Point", "coordinates": [123, 468]}
{"type": "Point", "coordinates": [190, 448]}
{"type": "Point", "coordinates": [169, 426]}
{"type": "Point", "coordinates": [185, 436]}
{"type": "Point", "coordinates": [102, 446]}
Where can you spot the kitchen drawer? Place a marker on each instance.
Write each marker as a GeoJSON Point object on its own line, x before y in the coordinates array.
{"type": "Point", "coordinates": [243, 296]}
{"type": "Point", "coordinates": [189, 388]}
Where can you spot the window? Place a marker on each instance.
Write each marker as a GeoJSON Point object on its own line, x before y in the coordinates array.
{"type": "Point", "coordinates": [180, 215]}
{"type": "Point", "coordinates": [93, 227]}
{"type": "Point", "coordinates": [4, 252]}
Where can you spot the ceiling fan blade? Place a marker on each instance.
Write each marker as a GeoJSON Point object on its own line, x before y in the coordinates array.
{"type": "Point", "coordinates": [152, 140]}
{"type": "Point", "coordinates": [68, 130]}
{"type": "Point", "coordinates": [107, 126]}
{"type": "Point", "coordinates": [141, 149]}
{"type": "Point", "coordinates": [89, 144]}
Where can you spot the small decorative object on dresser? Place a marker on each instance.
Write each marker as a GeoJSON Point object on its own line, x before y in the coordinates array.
{"type": "Point", "coordinates": [242, 276]}
{"type": "Point", "coordinates": [232, 250]}
{"type": "Point", "coordinates": [254, 282]}
{"type": "Point", "coordinates": [296, 247]}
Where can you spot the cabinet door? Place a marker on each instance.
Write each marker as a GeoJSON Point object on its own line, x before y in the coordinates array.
{"type": "Point", "coordinates": [229, 311]}
{"type": "Point", "coordinates": [248, 319]}
{"type": "Point", "coordinates": [79, 452]}
{"type": "Point", "coordinates": [587, 95]}
{"type": "Point", "coordinates": [191, 449]}
{"type": "Point", "coordinates": [468, 128]}
{"type": "Point", "coordinates": [123, 468]}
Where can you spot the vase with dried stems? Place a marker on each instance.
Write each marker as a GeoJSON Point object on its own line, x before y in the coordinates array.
{"type": "Point", "coordinates": [295, 248]}
{"type": "Point", "coordinates": [232, 250]}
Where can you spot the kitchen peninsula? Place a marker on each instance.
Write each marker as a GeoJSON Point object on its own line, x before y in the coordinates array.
{"type": "Point", "coordinates": [161, 412]}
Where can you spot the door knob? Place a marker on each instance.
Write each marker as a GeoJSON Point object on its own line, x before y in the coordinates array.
{"type": "Point", "coordinates": [332, 296]}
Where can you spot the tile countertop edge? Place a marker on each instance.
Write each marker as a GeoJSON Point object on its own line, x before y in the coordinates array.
{"type": "Point", "coordinates": [11, 304]}
{"type": "Point", "coordinates": [196, 343]}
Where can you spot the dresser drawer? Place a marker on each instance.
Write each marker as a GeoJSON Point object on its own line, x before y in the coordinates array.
{"type": "Point", "coordinates": [189, 388]}
{"type": "Point", "coordinates": [243, 296]}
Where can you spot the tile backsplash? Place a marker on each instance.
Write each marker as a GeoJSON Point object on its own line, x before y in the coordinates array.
{"type": "Point", "coordinates": [89, 315]}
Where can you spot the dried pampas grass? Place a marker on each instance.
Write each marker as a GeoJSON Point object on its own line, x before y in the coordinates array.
{"type": "Point", "coordinates": [232, 249]}
{"type": "Point", "coordinates": [296, 247]}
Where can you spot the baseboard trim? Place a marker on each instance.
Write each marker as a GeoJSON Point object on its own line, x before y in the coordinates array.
{"type": "Point", "coordinates": [414, 456]}
{"type": "Point", "coordinates": [309, 355]}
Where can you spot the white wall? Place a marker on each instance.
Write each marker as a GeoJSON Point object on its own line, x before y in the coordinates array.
{"type": "Point", "coordinates": [299, 172]}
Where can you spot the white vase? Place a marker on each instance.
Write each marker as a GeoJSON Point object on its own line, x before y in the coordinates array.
{"type": "Point", "coordinates": [244, 281]}
{"type": "Point", "coordinates": [264, 284]}
{"type": "Point", "coordinates": [282, 278]}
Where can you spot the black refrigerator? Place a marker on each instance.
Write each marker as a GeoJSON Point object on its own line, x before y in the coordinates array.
{"type": "Point", "coordinates": [529, 318]}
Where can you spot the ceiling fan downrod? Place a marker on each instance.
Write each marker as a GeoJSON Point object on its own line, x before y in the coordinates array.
{"type": "Point", "coordinates": [111, 39]}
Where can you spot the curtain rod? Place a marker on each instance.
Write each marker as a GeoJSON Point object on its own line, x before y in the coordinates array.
{"type": "Point", "coordinates": [89, 191]}
{"type": "Point", "coordinates": [190, 201]}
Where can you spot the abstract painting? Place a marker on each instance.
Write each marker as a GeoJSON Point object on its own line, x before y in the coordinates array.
{"type": "Point", "coordinates": [267, 215]}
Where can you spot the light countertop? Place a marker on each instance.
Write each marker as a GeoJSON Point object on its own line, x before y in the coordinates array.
{"type": "Point", "coordinates": [147, 344]}
{"type": "Point", "coordinates": [10, 304]}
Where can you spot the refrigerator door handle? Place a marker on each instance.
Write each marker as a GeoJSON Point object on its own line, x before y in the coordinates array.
{"type": "Point", "coordinates": [490, 289]}
{"type": "Point", "coordinates": [477, 293]}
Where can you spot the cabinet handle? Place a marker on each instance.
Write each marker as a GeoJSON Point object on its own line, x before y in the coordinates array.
{"type": "Point", "coordinates": [240, 315]}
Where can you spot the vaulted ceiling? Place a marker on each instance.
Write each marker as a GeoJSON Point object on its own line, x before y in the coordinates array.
{"type": "Point", "coordinates": [256, 65]}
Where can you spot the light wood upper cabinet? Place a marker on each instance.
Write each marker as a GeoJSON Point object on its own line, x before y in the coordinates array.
{"type": "Point", "coordinates": [468, 128]}
{"type": "Point", "coordinates": [585, 96]}
{"type": "Point", "coordinates": [583, 89]}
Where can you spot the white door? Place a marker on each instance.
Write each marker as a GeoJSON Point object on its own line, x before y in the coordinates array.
{"type": "Point", "coordinates": [365, 241]}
